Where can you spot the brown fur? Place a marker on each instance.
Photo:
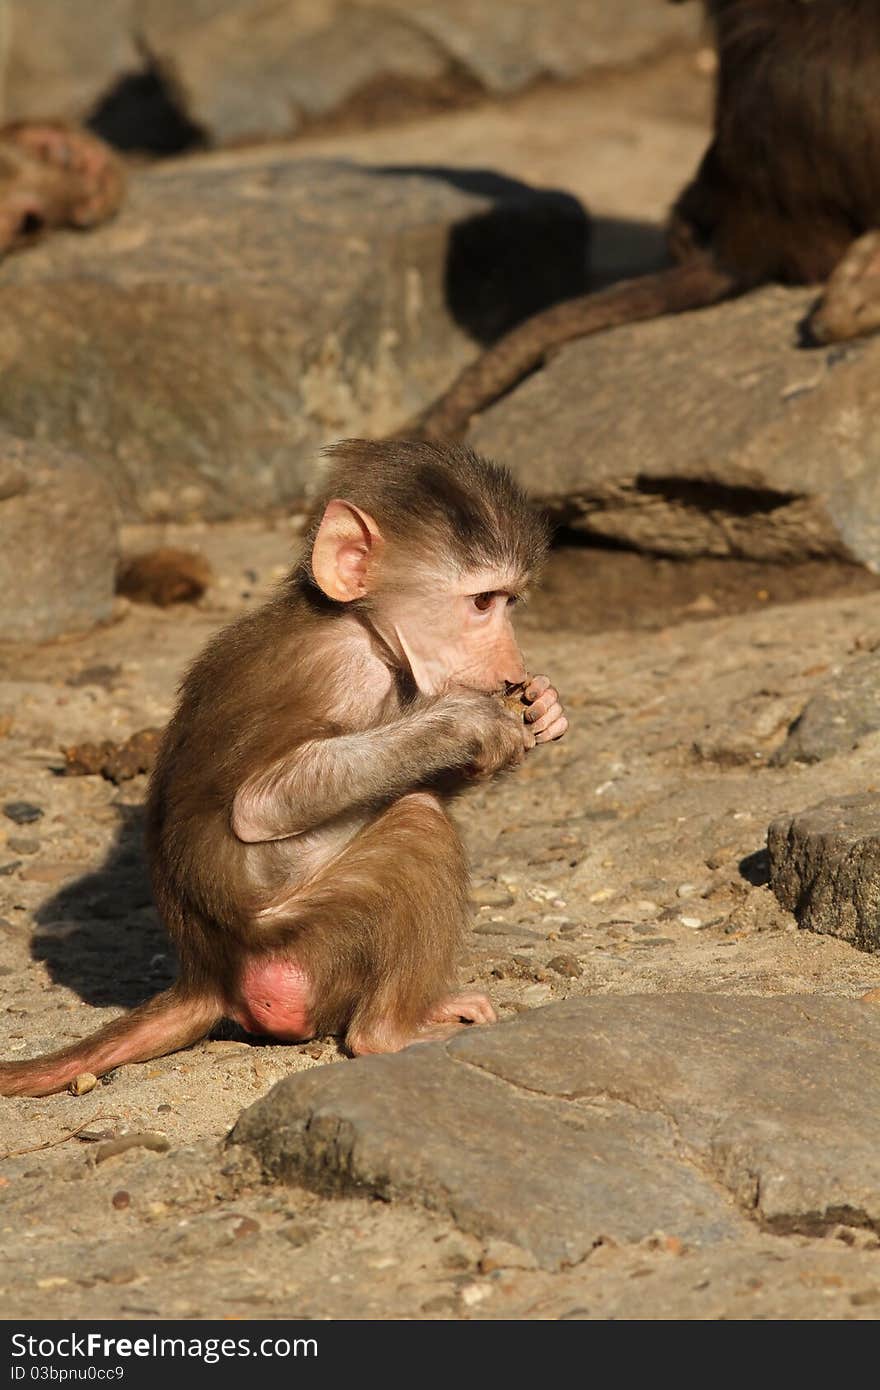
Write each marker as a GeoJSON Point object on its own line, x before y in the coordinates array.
{"type": "Point", "coordinates": [790, 179]}
{"type": "Point", "coordinates": [374, 918]}
{"type": "Point", "coordinates": [54, 175]}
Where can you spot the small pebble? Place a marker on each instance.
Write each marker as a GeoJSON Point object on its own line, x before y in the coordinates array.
{"type": "Point", "coordinates": [82, 1084]}
{"type": "Point", "coordinates": [490, 895]}
{"type": "Point", "coordinates": [121, 1200]}
{"type": "Point", "coordinates": [871, 996]}
{"type": "Point", "coordinates": [225, 1048]}
{"type": "Point", "coordinates": [601, 895]}
{"type": "Point", "coordinates": [298, 1233]}
{"type": "Point", "coordinates": [537, 994]}
{"type": "Point", "coordinates": [22, 812]}
{"type": "Point", "coordinates": [21, 844]}
{"type": "Point", "coordinates": [443, 1303]}
{"type": "Point", "coordinates": [159, 1143]}
{"type": "Point", "coordinates": [691, 921]}
{"type": "Point", "coordinates": [565, 965]}
{"type": "Point", "coordinates": [247, 1226]}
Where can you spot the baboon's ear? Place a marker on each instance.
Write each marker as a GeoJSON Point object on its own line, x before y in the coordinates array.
{"type": "Point", "coordinates": [347, 540]}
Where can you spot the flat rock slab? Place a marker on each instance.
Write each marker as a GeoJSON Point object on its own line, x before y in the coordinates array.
{"type": "Point", "coordinates": [57, 542]}
{"type": "Point", "coordinates": [825, 867]}
{"type": "Point", "coordinates": [609, 1117]}
{"type": "Point", "coordinates": [238, 315]}
{"type": "Point", "coordinates": [709, 433]}
{"type": "Point", "coordinates": [838, 717]}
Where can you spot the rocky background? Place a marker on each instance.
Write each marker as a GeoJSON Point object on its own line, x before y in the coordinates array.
{"type": "Point", "coordinates": [332, 208]}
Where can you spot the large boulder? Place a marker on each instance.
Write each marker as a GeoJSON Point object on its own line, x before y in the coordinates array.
{"type": "Point", "coordinates": [57, 543]}
{"type": "Point", "coordinates": [603, 1119]}
{"type": "Point", "coordinates": [710, 433]}
{"type": "Point", "coordinates": [58, 58]}
{"type": "Point", "coordinates": [233, 69]}
{"type": "Point", "coordinates": [244, 310]}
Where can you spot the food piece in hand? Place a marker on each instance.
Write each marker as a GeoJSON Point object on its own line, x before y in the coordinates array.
{"type": "Point", "coordinates": [514, 697]}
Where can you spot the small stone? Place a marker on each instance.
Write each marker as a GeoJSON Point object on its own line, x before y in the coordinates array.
{"type": "Point", "coordinates": [703, 603]}
{"type": "Point", "coordinates": [501, 1254]}
{"type": "Point", "coordinates": [298, 1233]}
{"type": "Point", "coordinates": [871, 996]}
{"type": "Point", "coordinates": [51, 873]}
{"type": "Point", "coordinates": [222, 1047]}
{"type": "Point", "coordinates": [691, 921]}
{"type": "Point", "coordinates": [22, 812]}
{"type": "Point", "coordinates": [164, 576]}
{"type": "Point", "coordinates": [121, 1199]}
{"type": "Point", "coordinates": [472, 1294]}
{"type": "Point", "coordinates": [149, 1139]}
{"type": "Point", "coordinates": [21, 844]}
{"type": "Point", "coordinates": [864, 1297]}
{"type": "Point", "coordinates": [537, 994]}
{"type": "Point", "coordinates": [247, 1226]}
{"type": "Point", "coordinates": [82, 1084]}
{"type": "Point", "coordinates": [443, 1303]}
{"type": "Point", "coordinates": [566, 965]}
{"type": "Point", "coordinates": [490, 895]}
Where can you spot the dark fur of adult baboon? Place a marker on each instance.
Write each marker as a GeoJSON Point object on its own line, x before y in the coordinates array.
{"type": "Point", "coordinates": [789, 181]}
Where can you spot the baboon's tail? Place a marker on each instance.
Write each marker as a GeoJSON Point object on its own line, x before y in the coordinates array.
{"type": "Point", "coordinates": [172, 1020]}
{"type": "Point", "coordinates": [692, 286]}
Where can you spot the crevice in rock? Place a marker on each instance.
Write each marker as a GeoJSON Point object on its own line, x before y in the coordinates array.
{"type": "Point", "coordinates": [820, 1223]}
{"type": "Point", "coordinates": [699, 493]}
{"type": "Point", "coordinates": [143, 113]}
{"type": "Point", "coordinates": [701, 517]}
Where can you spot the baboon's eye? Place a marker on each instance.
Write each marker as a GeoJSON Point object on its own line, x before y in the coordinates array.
{"type": "Point", "coordinates": [483, 602]}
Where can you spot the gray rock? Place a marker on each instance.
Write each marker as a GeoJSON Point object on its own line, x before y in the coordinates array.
{"type": "Point", "coordinates": [611, 1116]}
{"type": "Point", "coordinates": [838, 716]}
{"type": "Point", "coordinates": [61, 58]}
{"type": "Point", "coordinates": [825, 867]}
{"type": "Point", "coordinates": [242, 312]}
{"type": "Point", "coordinates": [257, 72]}
{"type": "Point", "coordinates": [710, 433]}
{"type": "Point", "coordinates": [507, 45]}
{"type": "Point", "coordinates": [57, 543]}
{"type": "Point", "coordinates": [246, 68]}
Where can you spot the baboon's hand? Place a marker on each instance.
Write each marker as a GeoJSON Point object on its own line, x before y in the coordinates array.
{"type": "Point", "coordinates": [494, 737]}
{"type": "Point", "coordinates": [544, 716]}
